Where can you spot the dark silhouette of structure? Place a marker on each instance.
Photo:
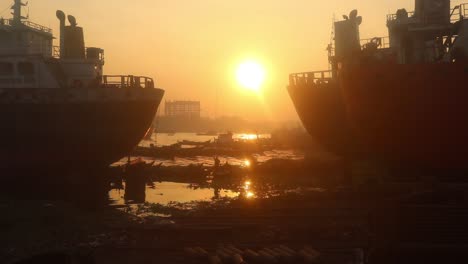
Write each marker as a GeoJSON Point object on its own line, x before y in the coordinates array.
{"type": "Point", "coordinates": [186, 109]}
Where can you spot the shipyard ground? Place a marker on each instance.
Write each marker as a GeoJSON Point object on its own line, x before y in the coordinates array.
{"type": "Point", "coordinates": [344, 224]}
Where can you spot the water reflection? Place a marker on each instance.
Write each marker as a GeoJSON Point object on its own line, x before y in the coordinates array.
{"type": "Point", "coordinates": [167, 192]}
{"type": "Point", "coordinates": [244, 185]}
{"type": "Point", "coordinates": [249, 177]}
{"type": "Point", "coordinates": [249, 195]}
{"type": "Point", "coordinates": [248, 190]}
{"type": "Point", "coordinates": [216, 186]}
{"type": "Point", "coordinates": [248, 136]}
{"type": "Point", "coordinates": [247, 184]}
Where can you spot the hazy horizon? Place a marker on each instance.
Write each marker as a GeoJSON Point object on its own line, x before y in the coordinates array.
{"type": "Point", "coordinates": [192, 48]}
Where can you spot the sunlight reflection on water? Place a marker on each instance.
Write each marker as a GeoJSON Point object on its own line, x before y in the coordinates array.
{"type": "Point", "coordinates": [249, 195]}
{"type": "Point", "coordinates": [166, 192]}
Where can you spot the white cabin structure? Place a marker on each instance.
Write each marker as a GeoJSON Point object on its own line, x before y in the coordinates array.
{"type": "Point", "coordinates": [28, 58]}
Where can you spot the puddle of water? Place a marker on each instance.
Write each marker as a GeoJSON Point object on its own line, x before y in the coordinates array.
{"type": "Point", "coordinates": [167, 192]}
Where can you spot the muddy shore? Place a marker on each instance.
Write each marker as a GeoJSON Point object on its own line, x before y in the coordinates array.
{"type": "Point", "coordinates": [342, 223]}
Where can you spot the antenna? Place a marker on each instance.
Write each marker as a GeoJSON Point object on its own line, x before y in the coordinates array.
{"type": "Point", "coordinates": [17, 17]}
{"type": "Point", "coordinates": [330, 44]}
{"type": "Point", "coordinates": [332, 35]}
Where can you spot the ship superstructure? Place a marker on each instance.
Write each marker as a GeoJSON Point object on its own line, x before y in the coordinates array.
{"type": "Point", "coordinates": [400, 98]}
{"type": "Point", "coordinates": [57, 108]}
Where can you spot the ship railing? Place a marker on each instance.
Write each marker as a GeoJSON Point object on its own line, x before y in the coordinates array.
{"type": "Point", "coordinates": [56, 52]}
{"type": "Point", "coordinates": [310, 78]}
{"type": "Point", "coordinates": [384, 43]}
{"type": "Point", "coordinates": [6, 22]}
{"type": "Point", "coordinates": [35, 26]}
{"type": "Point", "coordinates": [459, 12]}
{"type": "Point", "coordinates": [393, 17]}
{"type": "Point", "coordinates": [127, 81]}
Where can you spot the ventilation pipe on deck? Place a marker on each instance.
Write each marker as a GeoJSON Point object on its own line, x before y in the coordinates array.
{"type": "Point", "coordinates": [61, 16]}
{"type": "Point", "coordinates": [72, 21]}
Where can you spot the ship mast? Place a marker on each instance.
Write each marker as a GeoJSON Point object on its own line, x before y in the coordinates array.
{"type": "Point", "coordinates": [17, 12]}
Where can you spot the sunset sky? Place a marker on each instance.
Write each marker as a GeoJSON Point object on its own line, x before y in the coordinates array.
{"type": "Point", "coordinates": [193, 47]}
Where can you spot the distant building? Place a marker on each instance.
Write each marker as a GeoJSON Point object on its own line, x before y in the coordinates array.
{"type": "Point", "coordinates": [189, 109]}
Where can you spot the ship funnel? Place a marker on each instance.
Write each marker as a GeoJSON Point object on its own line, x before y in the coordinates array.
{"type": "Point", "coordinates": [347, 40]}
{"type": "Point", "coordinates": [433, 11]}
{"type": "Point", "coordinates": [72, 21]}
{"type": "Point", "coordinates": [61, 16]}
{"type": "Point", "coordinates": [73, 38]}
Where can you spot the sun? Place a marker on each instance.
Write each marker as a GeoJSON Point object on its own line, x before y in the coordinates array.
{"type": "Point", "coordinates": [250, 75]}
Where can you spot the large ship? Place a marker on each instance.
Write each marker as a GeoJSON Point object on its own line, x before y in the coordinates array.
{"type": "Point", "coordinates": [401, 99]}
{"type": "Point", "coordinates": [57, 108]}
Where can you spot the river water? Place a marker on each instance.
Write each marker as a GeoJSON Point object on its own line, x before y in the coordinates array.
{"type": "Point", "coordinates": [163, 139]}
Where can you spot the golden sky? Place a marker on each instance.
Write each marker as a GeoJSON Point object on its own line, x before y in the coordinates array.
{"type": "Point", "coordinates": [192, 47]}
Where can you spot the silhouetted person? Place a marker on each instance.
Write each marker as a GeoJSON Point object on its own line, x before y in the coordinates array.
{"type": "Point", "coordinates": [217, 162]}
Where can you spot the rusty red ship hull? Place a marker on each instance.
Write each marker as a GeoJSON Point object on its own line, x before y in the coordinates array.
{"type": "Point", "coordinates": [322, 112]}
{"type": "Point", "coordinates": [404, 97]}
{"type": "Point", "coordinates": [410, 114]}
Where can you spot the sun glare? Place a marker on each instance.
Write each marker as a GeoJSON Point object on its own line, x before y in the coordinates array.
{"type": "Point", "coordinates": [250, 75]}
